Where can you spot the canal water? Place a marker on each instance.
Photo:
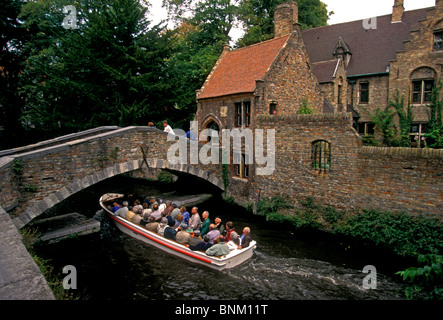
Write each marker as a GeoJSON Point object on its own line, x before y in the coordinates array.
{"type": "Point", "coordinates": [286, 264]}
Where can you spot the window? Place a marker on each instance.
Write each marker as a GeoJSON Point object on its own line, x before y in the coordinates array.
{"type": "Point", "coordinates": [273, 108]}
{"type": "Point", "coordinates": [366, 128]}
{"type": "Point", "coordinates": [422, 91]}
{"type": "Point", "coordinates": [418, 130]}
{"type": "Point", "coordinates": [241, 162]}
{"type": "Point", "coordinates": [364, 92]}
{"type": "Point", "coordinates": [321, 155]}
{"type": "Point", "coordinates": [243, 114]}
{"type": "Point", "coordinates": [438, 40]}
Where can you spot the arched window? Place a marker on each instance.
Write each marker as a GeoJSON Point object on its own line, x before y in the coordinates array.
{"type": "Point", "coordinates": [321, 155]}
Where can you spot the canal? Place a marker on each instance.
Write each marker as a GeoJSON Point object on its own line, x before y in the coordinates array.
{"type": "Point", "coordinates": [286, 265]}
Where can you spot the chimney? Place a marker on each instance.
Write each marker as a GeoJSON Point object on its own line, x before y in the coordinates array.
{"type": "Point", "coordinates": [397, 11]}
{"type": "Point", "coordinates": [285, 18]}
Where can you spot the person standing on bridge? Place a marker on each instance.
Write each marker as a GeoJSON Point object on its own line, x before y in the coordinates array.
{"type": "Point", "coordinates": [167, 127]}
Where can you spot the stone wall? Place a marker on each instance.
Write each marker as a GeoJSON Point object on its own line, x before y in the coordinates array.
{"type": "Point", "coordinates": [393, 179]}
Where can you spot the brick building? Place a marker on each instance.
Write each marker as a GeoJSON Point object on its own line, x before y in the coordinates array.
{"type": "Point", "coordinates": [338, 71]}
{"type": "Point", "coordinates": [355, 66]}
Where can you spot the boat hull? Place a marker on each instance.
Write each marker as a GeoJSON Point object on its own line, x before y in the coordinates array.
{"type": "Point", "coordinates": [233, 259]}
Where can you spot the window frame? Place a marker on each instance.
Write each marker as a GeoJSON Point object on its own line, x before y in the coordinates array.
{"type": "Point", "coordinates": [321, 151]}
{"type": "Point", "coordinates": [243, 114]}
{"type": "Point", "coordinates": [422, 92]}
{"type": "Point", "coordinates": [437, 43]}
{"type": "Point", "coordinates": [360, 101]}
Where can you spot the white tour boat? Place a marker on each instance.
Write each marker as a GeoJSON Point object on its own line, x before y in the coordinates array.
{"type": "Point", "coordinates": [234, 258]}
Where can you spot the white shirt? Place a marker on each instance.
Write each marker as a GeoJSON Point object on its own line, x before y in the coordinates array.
{"type": "Point", "coordinates": [168, 129]}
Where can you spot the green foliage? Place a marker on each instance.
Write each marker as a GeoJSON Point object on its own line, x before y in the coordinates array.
{"type": "Point", "coordinates": [383, 120]}
{"type": "Point", "coordinates": [405, 118]}
{"type": "Point", "coordinates": [17, 167]}
{"type": "Point", "coordinates": [369, 141]}
{"type": "Point", "coordinates": [306, 107]}
{"type": "Point", "coordinates": [427, 278]}
{"type": "Point", "coordinates": [165, 177]}
{"type": "Point", "coordinates": [435, 119]}
{"type": "Point", "coordinates": [402, 233]}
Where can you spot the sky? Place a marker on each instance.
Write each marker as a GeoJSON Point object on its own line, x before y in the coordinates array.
{"type": "Point", "coordinates": [344, 10]}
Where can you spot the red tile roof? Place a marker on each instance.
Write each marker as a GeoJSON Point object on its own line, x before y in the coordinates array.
{"type": "Point", "coordinates": [239, 69]}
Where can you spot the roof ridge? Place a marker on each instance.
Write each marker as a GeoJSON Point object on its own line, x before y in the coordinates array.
{"type": "Point", "coordinates": [354, 21]}
{"type": "Point", "coordinates": [260, 43]}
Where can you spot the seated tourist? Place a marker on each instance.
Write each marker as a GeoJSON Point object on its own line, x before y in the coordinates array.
{"type": "Point", "coordinates": [122, 211]}
{"type": "Point", "coordinates": [245, 239]}
{"type": "Point", "coordinates": [220, 248]}
{"type": "Point", "coordinates": [137, 217]}
{"type": "Point", "coordinates": [230, 231]}
{"type": "Point", "coordinates": [175, 211]}
{"type": "Point", "coordinates": [169, 208]}
{"type": "Point", "coordinates": [194, 221]}
{"type": "Point", "coordinates": [115, 207]}
{"type": "Point", "coordinates": [179, 223]}
{"type": "Point", "coordinates": [182, 237]}
{"type": "Point", "coordinates": [219, 225]}
{"type": "Point", "coordinates": [202, 246]}
{"type": "Point", "coordinates": [152, 225]}
{"type": "Point", "coordinates": [195, 238]}
{"type": "Point", "coordinates": [162, 225]}
{"type": "Point", "coordinates": [213, 233]}
{"type": "Point", "coordinates": [185, 214]}
{"type": "Point", "coordinates": [170, 232]}
{"type": "Point", "coordinates": [129, 214]}
{"type": "Point", "coordinates": [137, 205]}
{"type": "Point", "coordinates": [206, 223]}
{"type": "Point", "coordinates": [156, 213]}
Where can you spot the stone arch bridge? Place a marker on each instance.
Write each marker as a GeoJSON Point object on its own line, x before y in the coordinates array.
{"type": "Point", "coordinates": [35, 178]}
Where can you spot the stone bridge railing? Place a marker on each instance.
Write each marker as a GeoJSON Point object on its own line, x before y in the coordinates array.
{"type": "Point", "coordinates": [33, 181]}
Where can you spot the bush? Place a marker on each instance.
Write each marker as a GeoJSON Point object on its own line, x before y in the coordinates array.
{"type": "Point", "coordinates": [405, 234]}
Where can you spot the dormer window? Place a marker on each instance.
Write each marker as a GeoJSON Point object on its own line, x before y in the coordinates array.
{"type": "Point", "coordinates": [438, 40]}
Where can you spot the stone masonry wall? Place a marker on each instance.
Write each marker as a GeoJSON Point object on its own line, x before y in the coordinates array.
{"type": "Point", "coordinates": [393, 179]}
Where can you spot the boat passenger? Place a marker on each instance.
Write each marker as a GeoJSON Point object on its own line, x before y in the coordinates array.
{"type": "Point", "coordinates": [206, 223]}
{"type": "Point", "coordinates": [156, 213]}
{"type": "Point", "coordinates": [175, 211]}
{"type": "Point", "coordinates": [179, 223]}
{"type": "Point", "coordinates": [220, 248]}
{"type": "Point", "coordinates": [137, 217]}
{"type": "Point", "coordinates": [170, 232]}
{"type": "Point", "coordinates": [202, 246]}
{"type": "Point", "coordinates": [195, 221]}
{"type": "Point", "coordinates": [246, 238]}
{"type": "Point", "coordinates": [137, 205]}
{"type": "Point", "coordinates": [219, 225]}
{"type": "Point", "coordinates": [152, 225]}
{"type": "Point", "coordinates": [162, 225]}
{"type": "Point", "coordinates": [185, 214]}
{"type": "Point", "coordinates": [195, 238]}
{"type": "Point", "coordinates": [122, 211]}
{"type": "Point", "coordinates": [182, 237]}
{"type": "Point", "coordinates": [130, 214]}
{"type": "Point", "coordinates": [213, 233]}
{"type": "Point", "coordinates": [230, 232]}
{"type": "Point", "coordinates": [115, 207]}
{"type": "Point", "coordinates": [169, 208]}
{"type": "Point", "coordinates": [151, 202]}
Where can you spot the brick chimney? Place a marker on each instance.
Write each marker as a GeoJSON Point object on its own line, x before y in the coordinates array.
{"type": "Point", "coordinates": [285, 18]}
{"type": "Point", "coordinates": [397, 11]}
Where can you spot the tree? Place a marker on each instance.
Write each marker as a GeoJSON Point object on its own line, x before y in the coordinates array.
{"type": "Point", "coordinates": [258, 18]}
{"type": "Point", "coordinates": [111, 70]}
{"type": "Point", "coordinates": [12, 37]}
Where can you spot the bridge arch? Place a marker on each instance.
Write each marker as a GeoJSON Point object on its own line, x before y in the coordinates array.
{"type": "Point", "coordinates": [37, 208]}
